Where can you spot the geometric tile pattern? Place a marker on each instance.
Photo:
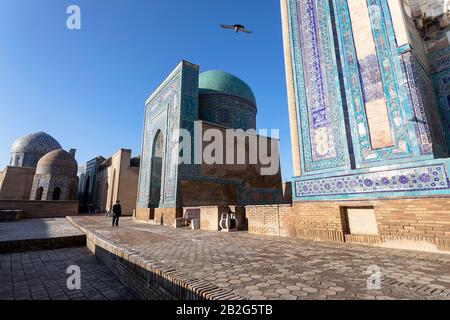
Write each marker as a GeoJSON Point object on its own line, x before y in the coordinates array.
{"type": "Point", "coordinates": [388, 66]}
{"type": "Point", "coordinates": [318, 98]}
{"type": "Point", "coordinates": [26, 151]}
{"type": "Point", "coordinates": [39, 142]}
{"type": "Point", "coordinates": [413, 179]}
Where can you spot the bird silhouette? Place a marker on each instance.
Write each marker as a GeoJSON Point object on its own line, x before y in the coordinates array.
{"type": "Point", "coordinates": [236, 27]}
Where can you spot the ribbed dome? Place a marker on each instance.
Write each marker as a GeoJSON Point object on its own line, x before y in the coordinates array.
{"type": "Point", "coordinates": [38, 143]}
{"type": "Point", "coordinates": [57, 162]}
{"type": "Point", "coordinates": [217, 81]}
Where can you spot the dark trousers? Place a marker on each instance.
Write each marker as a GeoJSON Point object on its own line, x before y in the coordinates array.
{"type": "Point", "coordinates": [115, 221]}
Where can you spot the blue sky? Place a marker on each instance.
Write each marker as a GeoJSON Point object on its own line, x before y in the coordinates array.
{"type": "Point", "coordinates": [87, 87]}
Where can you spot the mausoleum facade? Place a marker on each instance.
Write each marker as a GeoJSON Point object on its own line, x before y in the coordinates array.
{"type": "Point", "coordinates": [192, 103]}
{"type": "Point", "coordinates": [369, 114]}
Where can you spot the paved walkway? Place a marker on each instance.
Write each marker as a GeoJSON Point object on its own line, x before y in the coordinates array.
{"type": "Point", "coordinates": [41, 275]}
{"type": "Point", "coordinates": [37, 229]}
{"type": "Point", "coordinates": [263, 267]}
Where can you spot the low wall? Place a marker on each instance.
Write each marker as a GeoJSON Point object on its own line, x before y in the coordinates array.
{"type": "Point", "coordinates": [163, 216]}
{"type": "Point", "coordinates": [416, 223]}
{"type": "Point", "coordinates": [10, 215]}
{"type": "Point", "coordinates": [41, 209]}
{"type": "Point", "coordinates": [42, 244]}
{"type": "Point", "coordinates": [209, 216]}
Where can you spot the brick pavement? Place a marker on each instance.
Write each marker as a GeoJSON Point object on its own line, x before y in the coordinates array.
{"type": "Point", "coordinates": [264, 267]}
{"type": "Point", "coordinates": [37, 229]}
{"type": "Point", "coordinates": [41, 275]}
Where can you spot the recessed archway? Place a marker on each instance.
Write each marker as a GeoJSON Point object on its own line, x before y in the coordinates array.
{"type": "Point", "coordinates": [39, 193]}
{"type": "Point", "coordinates": [56, 194]}
{"type": "Point", "coordinates": [156, 169]}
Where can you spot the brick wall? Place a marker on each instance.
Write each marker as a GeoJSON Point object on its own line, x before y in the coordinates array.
{"type": "Point", "coordinates": [165, 216]}
{"type": "Point", "coordinates": [142, 283]}
{"type": "Point", "coordinates": [16, 183]}
{"type": "Point", "coordinates": [41, 209]}
{"type": "Point", "coordinates": [416, 223]}
{"type": "Point", "coordinates": [144, 214]}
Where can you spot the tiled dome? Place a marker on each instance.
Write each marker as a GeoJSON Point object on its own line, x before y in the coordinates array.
{"type": "Point", "coordinates": [37, 143]}
{"type": "Point", "coordinates": [57, 162]}
{"type": "Point", "coordinates": [217, 81]}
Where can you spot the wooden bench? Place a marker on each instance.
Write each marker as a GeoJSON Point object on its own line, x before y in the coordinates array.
{"type": "Point", "coordinates": [188, 215]}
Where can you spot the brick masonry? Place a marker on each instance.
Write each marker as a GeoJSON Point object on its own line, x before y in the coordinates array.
{"type": "Point", "coordinates": [162, 216]}
{"type": "Point", "coordinates": [16, 183]}
{"type": "Point", "coordinates": [416, 223]}
{"type": "Point", "coordinates": [149, 280]}
{"type": "Point", "coordinates": [41, 275]}
{"type": "Point", "coordinates": [41, 209]}
{"type": "Point", "coordinates": [232, 265]}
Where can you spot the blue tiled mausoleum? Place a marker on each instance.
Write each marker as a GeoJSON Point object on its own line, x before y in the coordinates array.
{"type": "Point", "coordinates": [369, 99]}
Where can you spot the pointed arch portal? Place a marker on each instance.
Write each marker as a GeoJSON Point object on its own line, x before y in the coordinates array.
{"type": "Point", "coordinates": [156, 170]}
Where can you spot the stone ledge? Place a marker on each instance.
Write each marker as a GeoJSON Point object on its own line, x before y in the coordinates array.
{"type": "Point", "coordinates": [10, 215]}
{"type": "Point", "coordinates": [141, 274]}
{"type": "Point", "coordinates": [11, 246]}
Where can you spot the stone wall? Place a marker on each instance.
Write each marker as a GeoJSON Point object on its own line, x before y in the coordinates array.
{"type": "Point", "coordinates": [200, 193]}
{"type": "Point", "coordinates": [117, 181]}
{"type": "Point", "coordinates": [416, 223]}
{"type": "Point", "coordinates": [41, 209]}
{"type": "Point", "coordinates": [144, 214]}
{"type": "Point", "coordinates": [16, 183]}
{"type": "Point", "coordinates": [167, 216]}
{"type": "Point", "coordinates": [210, 218]}
{"type": "Point", "coordinates": [49, 182]}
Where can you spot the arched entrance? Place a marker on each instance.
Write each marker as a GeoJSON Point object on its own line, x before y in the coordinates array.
{"type": "Point", "coordinates": [56, 194]}
{"type": "Point", "coordinates": [86, 191]}
{"type": "Point", "coordinates": [39, 193]}
{"type": "Point", "coordinates": [156, 170]}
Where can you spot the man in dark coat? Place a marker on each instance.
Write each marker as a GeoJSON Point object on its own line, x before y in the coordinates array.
{"type": "Point", "coordinates": [117, 212]}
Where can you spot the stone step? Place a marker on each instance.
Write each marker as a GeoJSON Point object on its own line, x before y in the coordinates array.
{"type": "Point", "coordinates": [22, 245]}
{"type": "Point", "coordinates": [10, 215]}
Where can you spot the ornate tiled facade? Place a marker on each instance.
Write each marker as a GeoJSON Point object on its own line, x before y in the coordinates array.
{"type": "Point", "coordinates": [229, 111]}
{"type": "Point", "coordinates": [371, 118]}
{"type": "Point", "coordinates": [419, 179]}
{"type": "Point", "coordinates": [393, 189]}
{"type": "Point", "coordinates": [26, 151]}
{"type": "Point", "coordinates": [215, 100]}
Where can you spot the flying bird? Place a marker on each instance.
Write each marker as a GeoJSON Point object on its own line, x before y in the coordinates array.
{"type": "Point", "coordinates": [236, 27]}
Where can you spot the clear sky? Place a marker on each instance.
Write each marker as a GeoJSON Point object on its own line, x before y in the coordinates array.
{"type": "Point", "coordinates": [87, 87]}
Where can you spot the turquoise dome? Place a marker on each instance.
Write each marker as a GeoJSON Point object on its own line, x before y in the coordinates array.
{"type": "Point", "coordinates": [217, 81]}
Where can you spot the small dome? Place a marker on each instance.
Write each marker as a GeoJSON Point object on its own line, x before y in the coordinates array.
{"type": "Point", "coordinates": [37, 143]}
{"type": "Point", "coordinates": [57, 162]}
{"type": "Point", "coordinates": [217, 81]}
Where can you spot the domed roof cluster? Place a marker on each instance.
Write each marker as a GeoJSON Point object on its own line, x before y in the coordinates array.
{"type": "Point", "coordinates": [58, 162]}
{"type": "Point", "coordinates": [217, 81]}
{"type": "Point", "coordinates": [39, 143]}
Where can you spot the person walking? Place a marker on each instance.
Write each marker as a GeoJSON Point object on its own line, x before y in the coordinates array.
{"type": "Point", "coordinates": [117, 212]}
